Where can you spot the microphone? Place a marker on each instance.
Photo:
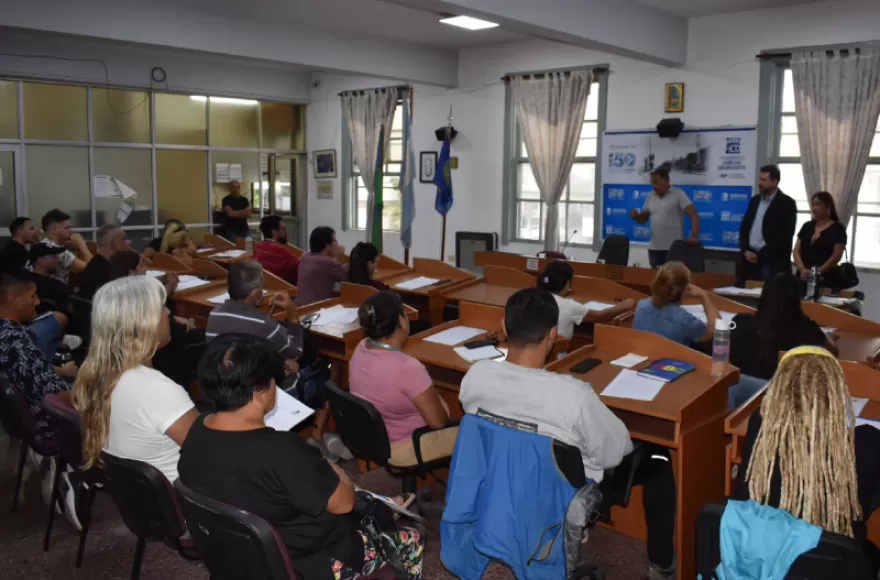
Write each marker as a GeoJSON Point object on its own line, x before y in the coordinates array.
{"type": "Point", "coordinates": [568, 241]}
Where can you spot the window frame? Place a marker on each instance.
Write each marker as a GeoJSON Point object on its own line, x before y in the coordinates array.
{"type": "Point", "coordinates": [512, 160]}
{"type": "Point", "coordinates": [152, 145]}
{"type": "Point", "coordinates": [772, 89]}
{"type": "Point", "coordinates": [350, 176]}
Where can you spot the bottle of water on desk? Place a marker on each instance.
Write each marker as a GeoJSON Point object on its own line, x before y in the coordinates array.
{"type": "Point", "coordinates": [721, 346]}
{"type": "Point", "coordinates": [249, 244]}
{"type": "Point", "coordinates": [813, 283]}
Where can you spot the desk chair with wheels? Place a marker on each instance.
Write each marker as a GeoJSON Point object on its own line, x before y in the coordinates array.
{"type": "Point", "coordinates": [148, 505]}
{"type": "Point", "coordinates": [236, 544]}
{"type": "Point", "coordinates": [691, 255]}
{"type": "Point", "coordinates": [66, 423]}
{"type": "Point", "coordinates": [363, 431]}
{"type": "Point", "coordinates": [19, 423]}
{"type": "Point", "coordinates": [615, 250]}
{"type": "Point", "coordinates": [835, 557]}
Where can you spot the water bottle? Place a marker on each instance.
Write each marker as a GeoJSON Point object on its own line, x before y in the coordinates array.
{"type": "Point", "coordinates": [813, 283]}
{"type": "Point", "coordinates": [249, 244]}
{"type": "Point", "coordinates": [721, 346]}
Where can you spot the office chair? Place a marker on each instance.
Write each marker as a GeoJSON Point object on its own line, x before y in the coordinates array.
{"type": "Point", "coordinates": [691, 255]}
{"type": "Point", "coordinates": [615, 250]}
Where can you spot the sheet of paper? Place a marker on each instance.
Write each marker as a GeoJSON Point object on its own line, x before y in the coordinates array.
{"type": "Point", "coordinates": [123, 212]}
{"type": "Point", "coordinates": [455, 335]}
{"type": "Point", "coordinates": [532, 264]}
{"type": "Point", "coordinates": [104, 186]}
{"type": "Point", "coordinates": [475, 354]}
{"type": "Point", "coordinates": [734, 291]}
{"type": "Point", "coordinates": [630, 360]}
{"type": "Point", "coordinates": [288, 412]}
{"type": "Point", "coordinates": [871, 422]}
{"type": "Point", "coordinates": [203, 250]}
{"type": "Point", "coordinates": [837, 300]}
{"type": "Point", "coordinates": [629, 385]}
{"type": "Point", "coordinates": [859, 404]}
{"type": "Point", "coordinates": [219, 299]}
{"type": "Point", "coordinates": [235, 172]}
{"type": "Point", "coordinates": [593, 305]}
{"type": "Point", "coordinates": [154, 273]}
{"type": "Point", "coordinates": [828, 329]}
{"type": "Point", "coordinates": [336, 315]}
{"type": "Point", "coordinates": [230, 254]}
{"type": "Point", "coordinates": [125, 191]}
{"type": "Point", "coordinates": [698, 312]}
{"type": "Point", "coordinates": [417, 283]}
{"type": "Point", "coordinates": [221, 173]}
{"type": "Point", "coordinates": [186, 281]}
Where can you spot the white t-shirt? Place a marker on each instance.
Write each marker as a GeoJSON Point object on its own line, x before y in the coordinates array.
{"type": "Point", "coordinates": [667, 222]}
{"type": "Point", "coordinates": [559, 406]}
{"type": "Point", "coordinates": [571, 313]}
{"type": "Point", "coordinates": [143, 405]}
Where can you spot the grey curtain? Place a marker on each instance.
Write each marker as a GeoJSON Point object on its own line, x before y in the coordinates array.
{"type": "Point", "coordinates": [550, 110]}
{"type": "Point", "coordinates": [366, 113]}
{"type": "Point", "coordinates": [837, 102]}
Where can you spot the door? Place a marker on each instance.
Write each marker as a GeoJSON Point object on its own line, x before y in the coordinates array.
{"type": "Point", "coordinates": [10, 190]}
{"type": "Point", "coordinates": [288, 194]}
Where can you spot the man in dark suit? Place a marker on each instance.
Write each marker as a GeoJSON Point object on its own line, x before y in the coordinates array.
{"type": "Point", "coordinates": [767, 230]}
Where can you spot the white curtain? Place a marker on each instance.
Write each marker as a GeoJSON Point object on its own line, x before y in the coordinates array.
{"type": "Point", "coordinates": [837, 102]}
{"type": "Point", "coordinates": [366, 113]}
{"type": "Point", "coordinates": [550, 111]}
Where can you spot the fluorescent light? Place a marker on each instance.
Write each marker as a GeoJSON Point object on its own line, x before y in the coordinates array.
{"type": "Point", "coordinates": [468, 23]}
{"type": "Point", "coordinates": [226, 100]}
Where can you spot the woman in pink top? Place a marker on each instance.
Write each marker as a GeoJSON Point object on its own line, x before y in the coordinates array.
{"type": "Point", "coordinates": [397, 384]}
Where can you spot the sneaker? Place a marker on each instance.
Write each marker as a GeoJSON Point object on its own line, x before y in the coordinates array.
{"type": "Point", "coordinates": [657, 573]}
{"type": "Point", "coordinates": [68, 496]}
{"type": "Point", "coordinates": [333, 442]}
{"type": "Point", "coordinates": [328, 455]}
{"type": "Point", "coordinates": [72, 341]}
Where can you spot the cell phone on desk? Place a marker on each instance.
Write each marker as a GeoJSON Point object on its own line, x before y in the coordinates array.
{"type": "Point", "coordinates": [585, 366]}
{"type": "Point", "coordinates": [308, 319]}
{"type": "Point", "coordinates": [481, 343]}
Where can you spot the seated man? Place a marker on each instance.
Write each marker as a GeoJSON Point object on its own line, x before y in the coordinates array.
{"type": "Point", "coordinates": [568, 410]}
{"type": "Point", "coordinates": [14, 255]}
{"type": "Point", "coordinates": [54, 298]}
{"type": "Point", "coordinates": [241, 314]}
{"type": "Point", "coordinates": [320, 269]}
{"type": "Point", "coordinates": [110, 239]}
{"type": "Point", "coordinates": [273, 253]}
{"type": "Point", "coordinates": [57, 228]}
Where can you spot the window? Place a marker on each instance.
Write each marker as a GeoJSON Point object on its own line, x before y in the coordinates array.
{"type": "Point", "coordinates": [863, 230]}
{"type": "Point", "coordinates": [577, 206]}
{"type": "Point", "coordinates": [357, 191]}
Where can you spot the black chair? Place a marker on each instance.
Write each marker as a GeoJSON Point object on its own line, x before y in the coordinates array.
{"type": "Point", "coordinates": [66, 423]}
{"type": "Point", "coordinates": [836, 556]}
{"type": "Point", "coordinates": [149, 506]}
{"type": "Point", "coordinates": [363, 431]}
{"type": "Point", "coordinates": [20, 423]}
{"type": "Point", "coordinates": [81, 319]}
{"type": "Point", "coordinates": [691, 255]}
{"type": "Point", "coordinates": [615, 250]}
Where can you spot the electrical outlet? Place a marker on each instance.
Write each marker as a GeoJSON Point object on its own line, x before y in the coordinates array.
{"type": "Point", "coordinates": [451, 258]}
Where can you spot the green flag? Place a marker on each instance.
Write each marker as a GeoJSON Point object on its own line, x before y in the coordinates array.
{"type": "Point", "coordinates": [376, 233]}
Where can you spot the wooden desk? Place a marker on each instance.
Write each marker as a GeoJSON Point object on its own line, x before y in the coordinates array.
{"type": "Point", "coordinates": [429, 300]}
{"type": "Point", "coordinates": [636, 278]}
{"type": "Point", "coordinates": [687, 417]}
{"type": "Point", "coordinates": [168, 263]}
{"type": "Point", "coordinates": [226, 262]}
{"type": "Point", "coordinates": [497, 285]}
{"type": "Point", "coordinates": [859, 338]}
{"type": "Point", "coordinates": [219, 241]}
{"type": "Point", "coordinates": [862, 380]}
{"type": "Point", "coordinates": [389, 268]}
{"type": "Point", "coordinates": [193, 302]}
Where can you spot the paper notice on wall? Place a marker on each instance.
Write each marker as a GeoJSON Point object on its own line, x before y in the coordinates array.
{"type": "Point", "coordinates": [104, 186]}
{"type": "Point", "coordinates": [123, 212]}
{"type": "Point", "coordinates": [235, 172]}
{"type": "Point", "coordinates": [221, 173]}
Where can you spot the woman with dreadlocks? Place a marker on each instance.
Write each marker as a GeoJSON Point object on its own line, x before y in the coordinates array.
{"type": "Point", "coordinates": [802, 453]}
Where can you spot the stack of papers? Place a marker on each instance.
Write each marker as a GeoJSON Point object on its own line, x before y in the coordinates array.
{"type": "Point", "coordinates": [288, 412]}
{"type": "Point", "coordinates": [630, 385]}
{"type": "Point", "coordinates": [455, 335]}
{"type": "Point", "coordinates": [186, 281]}
{"type": "Point", "coordinates": [474, 354]}
{"type": "Point", "coordinates": [837, 300]}
{"type": "Point", "coordinates": [154, 273]}
{"type": "Point", "coordinates": [697, 311]}
{"type": "Point", "coordinates": [593, 305]}
{"type": "Point", "coordinates": [208, 249]}
{"type": "Point", "coordinates": [336, 315]}
{"type": "Point", "coordinates": [828, 329]}
{"type": "Point", "coordinates": [230, 254]}
{"type": "Point", "coordinates": [220, 299]}
{"type": "Point", "coordinates": [629, 361]}
{"type": "Point", "coordinates": [417, 283]}
{"type": "Point", "coordinates": [734, 291]}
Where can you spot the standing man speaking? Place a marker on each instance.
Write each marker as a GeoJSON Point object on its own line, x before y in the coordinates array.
{"type": "Point", "coordinates": [766, 234]}
{"type": "Point", "coordinates": [664, 207]}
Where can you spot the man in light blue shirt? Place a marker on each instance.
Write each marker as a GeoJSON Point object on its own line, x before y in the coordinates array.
{"type": "Point", "coordinates": [766, 233]}
{"type": "Point", "coordinates": [756, 235]}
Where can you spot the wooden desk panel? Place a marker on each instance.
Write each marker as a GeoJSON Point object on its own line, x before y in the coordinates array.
{"type": "Point", "coordinates": [193, 303]}
{"type": "Point", "coordinates": [389, 268]}
{"type": "Point", "coordinates": [169, 263]}
{"type": "Point", "coordinates": [428, 300]}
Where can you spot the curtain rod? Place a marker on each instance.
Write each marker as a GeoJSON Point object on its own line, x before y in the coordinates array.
{"type": "Point", "coordinates": [379, 90]}
{"type": "Point", "coordinates": [540, 75]}
{"type": "Point", "coordinates": [829, 52]}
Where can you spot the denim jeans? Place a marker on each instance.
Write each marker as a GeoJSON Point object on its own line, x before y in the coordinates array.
{"type": "Point", "coordinates": [47, 335]}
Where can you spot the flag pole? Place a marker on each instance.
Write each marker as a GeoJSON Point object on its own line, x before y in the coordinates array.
{"type": "Point", "coordinates": [406, 250]}
{"type": "Point", "coordinates": [443, 227]}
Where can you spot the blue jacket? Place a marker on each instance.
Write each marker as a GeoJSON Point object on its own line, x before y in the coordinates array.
{"type": "Point", "coordinates": [508, 500]}
{"type": "Point", "coordinates": [759, 542]}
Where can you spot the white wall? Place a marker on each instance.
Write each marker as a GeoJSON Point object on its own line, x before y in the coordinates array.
{"type": "Point", "coordinates": [721, 76]}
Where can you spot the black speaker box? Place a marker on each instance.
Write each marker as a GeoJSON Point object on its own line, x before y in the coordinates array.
{"type": "Point", "coordinates": [670, 128]}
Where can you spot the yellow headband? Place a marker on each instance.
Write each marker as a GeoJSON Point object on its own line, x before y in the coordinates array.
{"type": "Point", "coordinates": [802, 350]}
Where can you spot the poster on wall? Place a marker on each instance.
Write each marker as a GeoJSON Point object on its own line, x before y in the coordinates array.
{"type": "Point", "coordinates": [716, 168]}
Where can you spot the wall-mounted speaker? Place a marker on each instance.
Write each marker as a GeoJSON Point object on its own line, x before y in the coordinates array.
{"type": "Point", "coordinates": [670, 128]}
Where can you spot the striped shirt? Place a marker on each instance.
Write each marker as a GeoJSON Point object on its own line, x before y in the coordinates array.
{"type": "Point", "coordinates": [235, 316]}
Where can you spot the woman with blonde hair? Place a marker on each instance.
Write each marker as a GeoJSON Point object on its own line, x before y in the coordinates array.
{"type": "Point", "coordinates": [662, 313]}
{"type": "Point", "coordinates": [803, 453]}
{"type": "Point", "coordinates": [129, 409]}
{"type": "Point", "coordinates": [177, 242]}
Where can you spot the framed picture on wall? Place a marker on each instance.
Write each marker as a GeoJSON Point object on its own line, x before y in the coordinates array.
{"type": "Point", "coordinates": [427, 166]}
{"type": "Point", "coordinates": [325, 164]}
{"type": "Point", "coordinates": [674, 98]}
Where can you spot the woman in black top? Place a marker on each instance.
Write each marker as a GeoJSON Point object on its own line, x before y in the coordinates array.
{"type": "Point", "coordinates": [233, 457]}
{"type": "Point", "coordinates": [779, 325]}
{"type": "Point", "coordinates": [362, 266]}
{"type": "Point", "coordinates": [821, 242]}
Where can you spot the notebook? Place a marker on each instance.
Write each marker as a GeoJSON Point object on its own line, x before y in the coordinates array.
{"type": "Point", "coordinates": [667, 369]}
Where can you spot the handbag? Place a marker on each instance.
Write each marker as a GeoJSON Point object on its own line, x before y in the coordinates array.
{"type": "Point", "coordinates": [378, 523]}
{"type": "Point", "coordinates": [848, 275]}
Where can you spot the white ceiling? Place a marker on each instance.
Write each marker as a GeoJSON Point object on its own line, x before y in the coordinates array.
{"type": "Point", "coordinates": [694, 8]}
{"type": "Point", "coordinates": [363, 17]}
